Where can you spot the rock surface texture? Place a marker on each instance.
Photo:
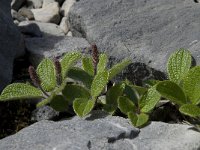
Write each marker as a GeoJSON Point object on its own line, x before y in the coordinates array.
{"type": "Point", "coordinates": [101, 132]}
{"type": "Point", "coordinates": [53, 46]}
{"type": "Point", "coordinates": [144, 31]}
{"type": "Point", "coordinates": [11, 43]}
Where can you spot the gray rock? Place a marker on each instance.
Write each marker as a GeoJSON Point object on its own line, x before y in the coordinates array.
{"type": "Point", "coordinates": [37, 28]}
{"type": "Point", "coordinates": [25, 12]}
{"type": "Point", "coordinates": [99, 131]}
{"type": "Point", "coordinates": [47, 2]}
{"type": "Point", "coordinates": [64, 25]}
{"type": "Point", "coordinates": [17, 16]}
{"type": "Point", "coordinates": [160, 135]}
{"type": "Point", "coordinates": [147, 32]}
{"type": "Point", "coordinates": [73, 134]}
{"type": "Point", "coordinates": [52, 46]}
{"type": "Point", "coordinates": [11, 43]}
{"type": "Point", "coordinates": [49, 13]}
{"type": "Point", "coordinates": [34, 3]}
{"type": "Point", "coordinates": [66, 7]}
{"type": "Point", "coordinates": [44, 113]}
{"type": "Point", "coordinates": [16, 4]}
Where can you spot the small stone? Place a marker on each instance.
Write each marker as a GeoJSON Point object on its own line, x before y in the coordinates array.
{"type": "Point", "coordinates": [46, 29]}
{"type": "Point", "coordinates": [66, 7]}
{"type": "Point", "coordinates": [26, 13]}
{"type": "Point", "coordinates": [69, 33]}
{"type": "Point", "coordinates": [47, 2]}
{"type": "Point", "coordinates": [49, 13]}
{"type": "Point", "coordinates": [64, 25]}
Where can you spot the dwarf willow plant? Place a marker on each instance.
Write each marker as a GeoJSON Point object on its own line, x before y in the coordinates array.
{"type": "Point", "coordinates": [50, 81]}
{"type": "Point", "coordinates": [183, 86]}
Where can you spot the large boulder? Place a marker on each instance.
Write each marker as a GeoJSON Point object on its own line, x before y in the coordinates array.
{"type": "Point", "coordinates": [100, 131]}
{"type": "Point", "coordinates": [147, 32]}
{"type": "Point", "coordinates": [53, 46]}
{"type": "Point", "coordinates": [11, 43]}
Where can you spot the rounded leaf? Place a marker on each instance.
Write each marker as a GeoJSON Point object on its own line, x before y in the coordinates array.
{"type": "Point", "coordinates": [80, 75]}
{"type": "Point", "coordinates": [72, 92]}
{"type": "Point", "coordinates": [191, 85]}
{"type": "Point", "coordinates": [101, 66]}
{"type": "Point", "coordinates": [82, 106]}
{"type": "Point", "coordinates": [88, 65]}
{"type": "Point", "coordinates": [172, 92]}
{"type": "Point", "coordinates": [68, 61]}
{"type": "Point", "coordinates": [151, 99]}
{"type": "Point", "coordinates": [138, 120]}
{"type": "Point", "coordinates": [46, 73]}
{"type": "Point", "coordinates": [59, 103]}
{"type": "Point", "coordinates": [17, 91]}
{"type": "Point", "coordinates": [126, 105]}
{"type": "Point", "coordinates": [98, 84]}
{"type": "Point", "coordinates": [190, 110]}
{"type": "Point", "coordinates": [178, 65]}
{"type": "Point", "coordinates": [112, 96]}
{"type": "Point", "coordinates": [118, 68]}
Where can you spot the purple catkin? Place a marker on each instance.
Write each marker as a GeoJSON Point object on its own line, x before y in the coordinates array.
{"type": "Point", "coordinates": [95, 56]}
{"type": "Point", "coordinates": [34, 77]}
{"type": "Point", "coordinates": [58, 70]}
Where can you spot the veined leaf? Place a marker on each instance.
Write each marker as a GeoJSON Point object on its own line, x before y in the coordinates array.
{"type": "Point", "coordinates": [111, 97]}
{"type": "Point", "coordinates": [191, 85]}
{"type": "Point", "coordinates": [138, 120]}
{"type": "Point", "coordinates": [103, 59]}
{"type": "Point", "coordinates": [46, 73]}
{"type": "Point", "coordinates": [19, 91]}
{"type": "Point", "coordinates": [190, 110]}
{"type": "Point", "coordinates": [98, 84]}
{"type": "Point", "coordinates": [150, 101]}
{"type": "Point", "coordinates": [68, 61]}
{"type": "Point", "coordinates": [151, 83]}
{"type": "Point", "coordinates": [88, 65]}
{"type": "Point", "coordinates": [126, 105]}
{"type": "Point", "coordinates": [82, 106]}
{"type": "Point", "coordinates": [80, 75]}
{"type": "Point", "coordinates": [59, 103]}
{"type": "Point", "coordinates": [118, 68]}
{"type": "Point", "coordinates": [178, 65]}
{"type": "Point", "coordinates": [172, 92]}
{"type": "Point", "coordinates": [72, 92]}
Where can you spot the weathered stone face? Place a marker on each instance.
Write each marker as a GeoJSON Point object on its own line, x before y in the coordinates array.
{"type": "Point", "coordinates": [11, 43]}
{"type": "Point", "coordinates": [144, 31]}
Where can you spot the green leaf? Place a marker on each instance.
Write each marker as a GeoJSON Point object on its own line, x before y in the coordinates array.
{"type": "Point", "coordinates": [111, 97]}
{"type": "Point", "coordinates": [75, 91]}
{"type": "Point", "coordinates": [126, 105]}
{"type": "Point", "coordinates": [190, 110]}
{"type": "Point", "coordinates": [151, 83]}
{"type": "Point", "coordinates": [191, 85]}
{"type": "Point", "coordinates": [46, 73]}
{"type": "Point", "coordinates": [82, 106]}
{"type": "Point", "coordinates": [172, 92]}
{"type": "Point", "coordinates": [98, 84]}
{"type": "Point", "coordinates": [178, 65]}
{"type": "Point", "coordinates": [118, 68]}
{"type": "Point", "coordinates": [151, 99]}
{"type": "Point", "coordinates": [132, 94]}
{"type": "Point", "coordinates": [19, 91]}
{"type": "Point", "coordinates": [88, 65]}
{"type": "Point", "coordinates": [80, 75]}
{"type": "Point", "coordinates": [68, 61]}
{"type": "Point", "coordinates": [138, 120]}
{"type": "Point", "coordinates": [59, 103]}
{"type": "Point", "coordinates": [103, 59]}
